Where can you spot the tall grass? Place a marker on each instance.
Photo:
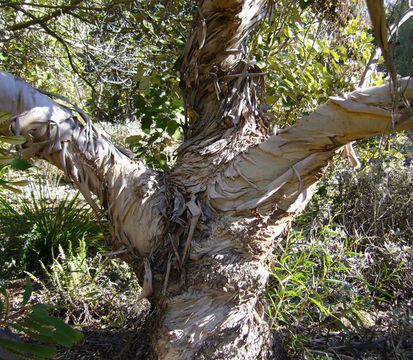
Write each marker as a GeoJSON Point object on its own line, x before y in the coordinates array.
{"type": "Point", "coordinates": [33, 226]}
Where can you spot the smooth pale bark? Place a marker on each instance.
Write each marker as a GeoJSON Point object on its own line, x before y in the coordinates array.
{"type": "Point", "coordinates": [198, 235]}
{"type": "Point", "coordinates": [289, 162]}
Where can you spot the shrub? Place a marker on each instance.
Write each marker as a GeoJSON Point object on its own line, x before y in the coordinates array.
{"type": "Point", "coordinates": [312, 285]}
{"type": "Point", "coordinates": [93, 289]}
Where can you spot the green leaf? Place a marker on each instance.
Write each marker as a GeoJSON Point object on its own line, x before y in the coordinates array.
{"type": "Point", "coordinates": [4, 116]}
{"type": "Point", "coordinates": [20, 164]}
{"type": "Point", "coordinates": [64, 333]}
{"type": "Point", "coordinates": [335, 55]}
{"type": "Point", "coordinates": [14, 140]}
{"type": "Point", "coordinates": [161, 123]}
{"type": "Point", "coordinates": [319, 305]}
{"type": "Point", "coordinates": [352, 253]}
{"type": "Point", "coordinates": [336, 281]}
{"type": "Point", "coordinates": [19, 183]}
{"type": "Point", "coordinates": [6, 159]}
{"type": "Point", "coordinates": [353, 322]}
{"type": "Point", "coordinates": [42, 351]}
{"type": "Point", "coordinates": [31, 322]}
{"type": "Point", "coordinates": [11, 188]}
{"type": "Point", "coordinates": [40, 307]}
{"type": "Point", "coordinates": [34, 334]}
{"type": "Point", "coordinates": [146, 123]}
{"type": "Point", "coordinates": [148, 25]}
{"type": "Point", "coordinates": [344, 327]}
{"type": "Point", "coordinates": [304, 4]}
{"type": "Point", "coordinates": [172, 126]}
{"type": "Point", "coordinates": [357, 316]}
{"type": "Point", "coordinates": [177, 134]}
{"type": "Point", "coordinates": [145, 82]}
{"type": "Point", "coordinates": [27, 291]}
{"type": "Point", "coordinates": [139, 101]}
{"type": "Point", "coordinates": [133, 138]}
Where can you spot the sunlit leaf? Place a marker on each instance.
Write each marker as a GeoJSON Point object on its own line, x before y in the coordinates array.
{"type": "Point", "coordinates": [13, 140]}
{"type": "Point", "coordinates": [21, 164]}
{"type": "Point", "coordinates": [27, 291]}
{"type": "Point", "coordinates": [133, 138]}
{"type": "Point", "coordinates": [4, 116]}
{"type": "Point", "coordinates": [11, 188]}
{"type": "Point", "coordinates": [6, 159]}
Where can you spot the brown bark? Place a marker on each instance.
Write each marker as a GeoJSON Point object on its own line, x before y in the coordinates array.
{"type": "Point", "coordinates": [198, 235]}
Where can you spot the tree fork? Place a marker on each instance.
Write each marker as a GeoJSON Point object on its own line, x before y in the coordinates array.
{"type": "Point", "coordinates": [198, 235]}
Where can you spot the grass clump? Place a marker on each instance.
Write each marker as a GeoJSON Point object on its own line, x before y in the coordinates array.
{"type": "Point", "coordinates": [34, 225]}
{"type": "Point", "coordinates": [93, 289]}
{"type": "Point", "coordinates": [54, 237]}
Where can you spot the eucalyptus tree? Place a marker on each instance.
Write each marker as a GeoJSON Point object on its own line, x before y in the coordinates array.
{"type": "Point", "coordinates": [199, 234]}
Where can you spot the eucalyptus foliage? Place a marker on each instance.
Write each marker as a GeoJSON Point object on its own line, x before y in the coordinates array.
{"type": "Point", "coordinates": [311, 53]}
{"type": "Point", "coordinates": [108, 50]}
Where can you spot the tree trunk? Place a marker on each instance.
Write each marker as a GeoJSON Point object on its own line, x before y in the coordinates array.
{"type": "Point", "coordinates": [198, 236]}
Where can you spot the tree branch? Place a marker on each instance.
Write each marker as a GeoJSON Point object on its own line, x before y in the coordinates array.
{"type": "Point", "coordinates": [73, 6]}
{"type": "Point", "coordinates": [374, 58]}
{"type": "Point", "coordinates": [278, 174]}
{"type": "Point", "coordinates": [61, 41]}
{"type": "Point", "coordinates": [130, 193]}
{"type": "Point", "coordinates": [42, 20]}
{"type": "Point", "coordinates": [221, 88]}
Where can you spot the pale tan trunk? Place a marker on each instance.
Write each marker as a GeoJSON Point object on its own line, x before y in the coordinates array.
{"type": "Point", "coordinates": [199, 234]}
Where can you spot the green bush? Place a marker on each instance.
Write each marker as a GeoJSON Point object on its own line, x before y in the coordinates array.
{"type": "Point", "coordinates": [312, 283]}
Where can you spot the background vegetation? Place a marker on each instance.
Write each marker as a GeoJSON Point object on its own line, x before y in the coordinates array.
{"type": "Point", "coordinates": [341, 279]}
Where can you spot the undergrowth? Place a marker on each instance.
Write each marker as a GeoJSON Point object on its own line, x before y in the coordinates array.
{"type": "Point", "coordinates": [94, 290]}
{"type": "Point", "coordinates": [53, 237]}
{"type": "Point", "coordinates": [33, 226]}
{"type": "Point", "coordinates": [341, 280]}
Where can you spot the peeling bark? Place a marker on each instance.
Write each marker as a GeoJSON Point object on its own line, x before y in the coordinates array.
{"type": "Point", "coordinates": [131, 195]}
{"type": "Point", "coordinates": [222, 90]}
{"type": "Point", "coordinates": [281, 169]}
{"type": "Point", "coordinates": [198, 235]}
